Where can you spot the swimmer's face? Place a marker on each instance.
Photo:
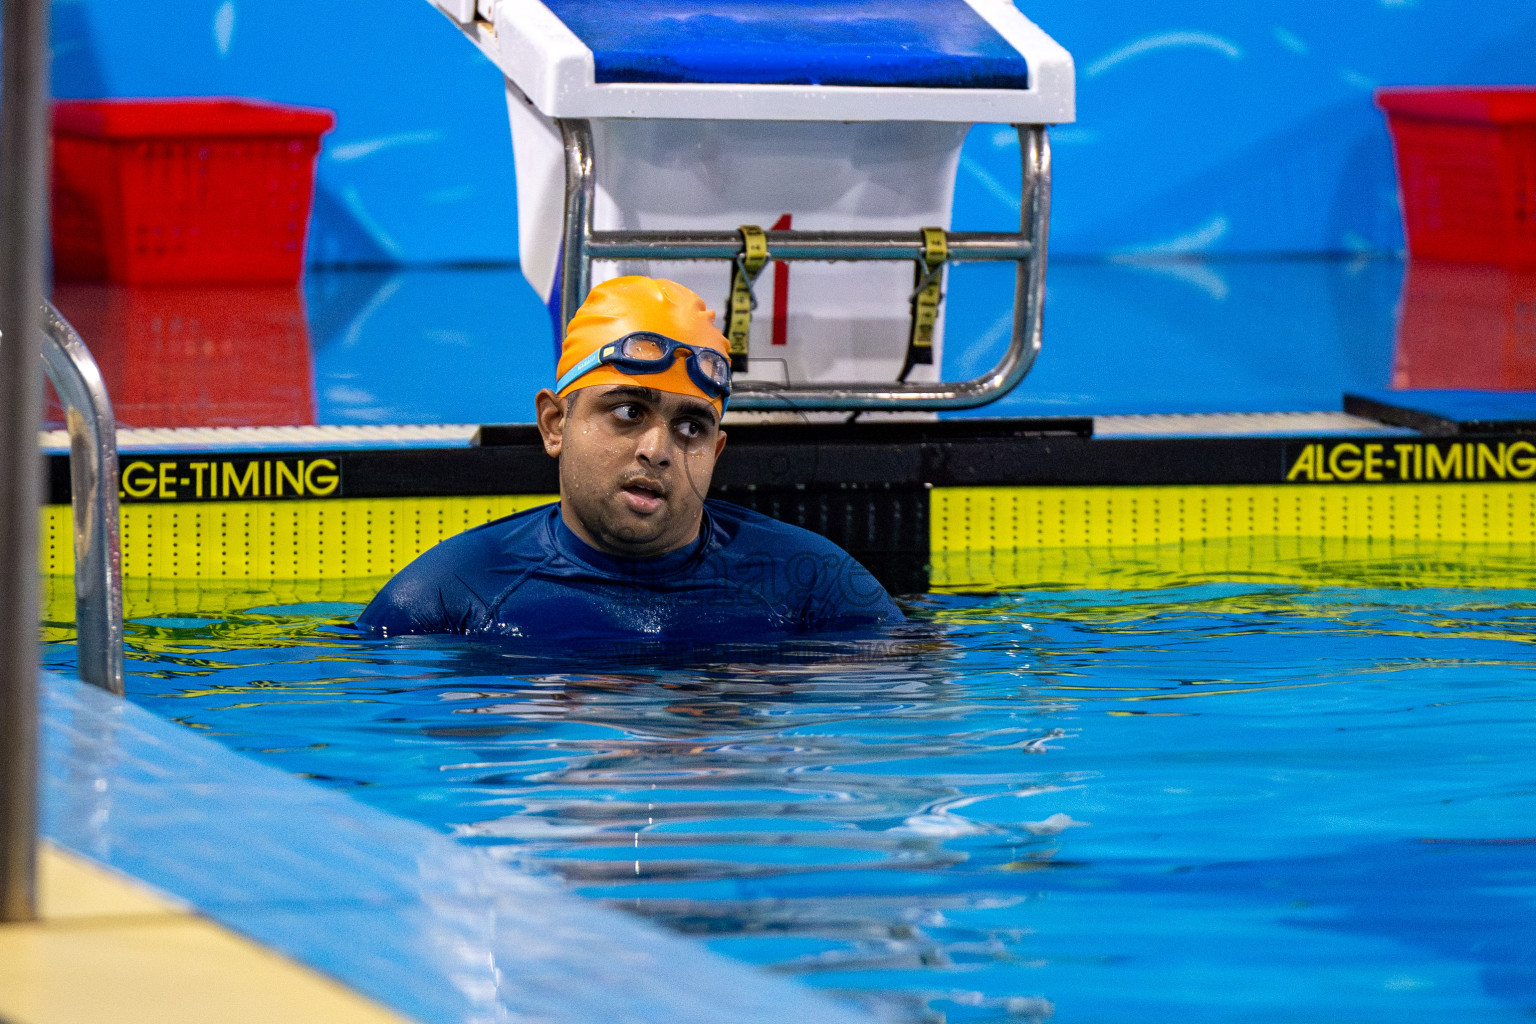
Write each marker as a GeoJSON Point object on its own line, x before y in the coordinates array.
{"type": "Point", "coordinates": [635, 464]}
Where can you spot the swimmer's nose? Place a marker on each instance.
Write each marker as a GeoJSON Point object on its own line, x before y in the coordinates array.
{"type": "Point", "coordinates": [655, 446]}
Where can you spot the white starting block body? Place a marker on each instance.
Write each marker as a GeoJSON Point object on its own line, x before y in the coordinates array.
{"type": "Point", "coordinates": [677, 120]}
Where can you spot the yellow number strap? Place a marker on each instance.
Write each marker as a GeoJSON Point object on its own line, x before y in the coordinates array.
{"type": "Point", "coordinates": [750, 262]}
{"type": "Point", "coordinates": [926, 298]}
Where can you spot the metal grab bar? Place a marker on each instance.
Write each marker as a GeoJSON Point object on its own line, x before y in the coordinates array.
{"type": "Point", "coordinates": [93, 501]}
{"type": "Point", "coordinates": [581, 244]}
{"type": "Point", "coordinates": [824, 246]}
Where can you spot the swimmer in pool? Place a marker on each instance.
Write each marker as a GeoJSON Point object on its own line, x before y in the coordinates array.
{"type": "Point", "coordinates": [632, 549]}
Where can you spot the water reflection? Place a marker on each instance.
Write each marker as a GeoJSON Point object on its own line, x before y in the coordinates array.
{"type": "Point", "coordinates": [1466, 326]}
{"type": "Point", "coordinates": [197, 355]}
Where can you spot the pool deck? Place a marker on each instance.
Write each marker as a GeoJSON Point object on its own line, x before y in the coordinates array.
{"type": "Point", "coordinates": [106, 948]}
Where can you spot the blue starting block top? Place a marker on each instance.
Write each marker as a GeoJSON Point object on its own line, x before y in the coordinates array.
{"type": "Point", "coordinates": [904, 43]}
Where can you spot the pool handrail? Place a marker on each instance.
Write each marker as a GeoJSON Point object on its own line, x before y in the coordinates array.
{"type": "Point", "coordinates": [93, 501]}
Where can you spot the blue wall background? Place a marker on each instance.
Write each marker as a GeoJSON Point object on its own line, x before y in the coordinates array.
{"type": "Point", "coordinates": [1203, 127]}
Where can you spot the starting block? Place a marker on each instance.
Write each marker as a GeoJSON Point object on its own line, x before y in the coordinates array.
{"type": "Point", "coordinates": [792, 161]}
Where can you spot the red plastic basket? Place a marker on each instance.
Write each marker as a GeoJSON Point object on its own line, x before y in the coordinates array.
{"type": "Point", "coordinates": [1466, 165]}
{"type": "Point", "coordinates": [183, 191]}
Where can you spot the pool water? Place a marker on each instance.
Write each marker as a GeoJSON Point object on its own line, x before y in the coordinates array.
{"type": "Point", "coordinates": [1183, 801]}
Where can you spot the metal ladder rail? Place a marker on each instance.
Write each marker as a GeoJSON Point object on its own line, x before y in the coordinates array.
{"type": "Point", "coordinates": [581, 245]}
{"type": "Point", "coordinates": [93, 501]}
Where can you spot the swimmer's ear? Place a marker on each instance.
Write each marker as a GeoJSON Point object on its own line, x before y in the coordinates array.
{"type": "Point", "coordinates": [719, 443]}
{"type": "Point", "coordinates": [550, 416]}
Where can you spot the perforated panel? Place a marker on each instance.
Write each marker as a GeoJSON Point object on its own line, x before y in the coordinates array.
{"type": "Point", "coordinates": [152, 597]}
{"type": "Point", "coordinates": [1356, 562]}
{"type": "Point", "coordinates": [989, 518]}
{"type": "Point", "coordinates": [57, 541]}
{"type": "Point", "coordinates": [1463, 534]}
{"type": "Point", "coordinates": [976, 533]}
{"type": "Point", "coordinates": [272, 540]}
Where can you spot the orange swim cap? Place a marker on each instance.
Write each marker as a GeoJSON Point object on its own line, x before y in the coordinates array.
{"type": "Point", "coordinates": [628, 304]}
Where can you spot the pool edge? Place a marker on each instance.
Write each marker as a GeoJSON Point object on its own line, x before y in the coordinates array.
{"type": "Point", "coordinates": [402, 914]}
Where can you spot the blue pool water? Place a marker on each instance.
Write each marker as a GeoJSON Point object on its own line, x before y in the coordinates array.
{"type": "Point", "coordinates": [1193, 801]}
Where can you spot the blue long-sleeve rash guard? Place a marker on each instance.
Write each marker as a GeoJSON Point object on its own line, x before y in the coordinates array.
{"type": "Point", "coordinates": [746, 577]}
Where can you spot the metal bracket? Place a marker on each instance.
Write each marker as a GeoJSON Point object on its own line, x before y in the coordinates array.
{"type": "Point", "coordinates": [927, 295]}
{"type": "Point", "coordinates": [1027, 248]}
{"type": "Point", "coordinates": [746, 265]}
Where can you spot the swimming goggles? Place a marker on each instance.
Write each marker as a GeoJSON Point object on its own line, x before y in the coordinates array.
{"type": "Point", "coordinates": [646, 352]}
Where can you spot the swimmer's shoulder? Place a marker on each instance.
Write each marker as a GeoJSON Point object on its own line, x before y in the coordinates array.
{"type": "Point", "coordinates": [741, 526]}
{"type": "Point", "coordinates": [530, 522]}
{"type": "Point", "coordinates": [521, 535]}
{"type": "Point", "coordinates": [452, 585]}
{"type": "Point", "coordinates": [742, 521]}
{"type": "Point", "coordinates": [827, 585]}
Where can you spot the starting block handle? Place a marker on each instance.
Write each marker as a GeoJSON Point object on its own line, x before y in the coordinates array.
{"type": "Point", "coordinates": [575, 266]}
{"type": "Point", "coordinates": [806, 246]}
{"type": "Point", "coordinates": [581, 245]}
